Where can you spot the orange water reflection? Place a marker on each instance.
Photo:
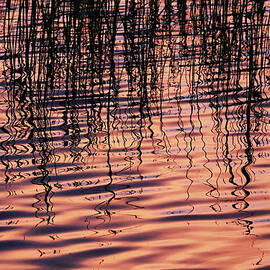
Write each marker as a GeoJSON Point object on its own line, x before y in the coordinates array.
{"type": "Point", "coordinates": [134, 134]}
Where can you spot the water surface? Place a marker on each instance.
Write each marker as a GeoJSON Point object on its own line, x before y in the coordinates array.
{"type": "Point", "coordinates": [134, 134]}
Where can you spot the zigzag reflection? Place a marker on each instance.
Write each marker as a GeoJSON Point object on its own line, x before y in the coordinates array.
{"type": "Point", "coordinates": [128, 113]}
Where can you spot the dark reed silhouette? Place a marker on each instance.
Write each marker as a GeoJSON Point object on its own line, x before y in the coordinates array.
{"type": "Point", "coordinates": [107, 102]}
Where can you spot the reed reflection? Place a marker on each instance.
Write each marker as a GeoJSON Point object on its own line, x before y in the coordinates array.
{"type": "Point", "coordinates": [123, 109]}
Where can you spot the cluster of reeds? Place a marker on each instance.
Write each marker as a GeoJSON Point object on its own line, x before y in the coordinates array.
{"type": "Point", "coordinates": [117, 61]}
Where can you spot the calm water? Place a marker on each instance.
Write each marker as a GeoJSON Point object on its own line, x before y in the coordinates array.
{"type": "Point", "coordinates": [134, 134]}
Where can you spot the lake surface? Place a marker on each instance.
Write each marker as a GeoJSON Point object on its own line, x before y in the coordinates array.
{"type": "Point", "coordinates": [134, 134]}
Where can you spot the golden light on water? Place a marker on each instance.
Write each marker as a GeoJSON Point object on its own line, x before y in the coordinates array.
{"type": "Point", "coordinates": [134, 135]}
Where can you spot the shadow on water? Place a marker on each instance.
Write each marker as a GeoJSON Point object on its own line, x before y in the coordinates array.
{"type": "Point", "coordinates": [118, 111]}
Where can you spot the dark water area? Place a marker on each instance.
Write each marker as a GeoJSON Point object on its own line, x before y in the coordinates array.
{"type": "Point", "coordinates": [134, 134]}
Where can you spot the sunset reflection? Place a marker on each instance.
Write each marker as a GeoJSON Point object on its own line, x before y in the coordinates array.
{"type": "Point", "coordinates": [134, 134]}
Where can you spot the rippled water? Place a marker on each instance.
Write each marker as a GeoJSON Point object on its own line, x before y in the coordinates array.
{"type": "Point", "coordinates": [134, 134]}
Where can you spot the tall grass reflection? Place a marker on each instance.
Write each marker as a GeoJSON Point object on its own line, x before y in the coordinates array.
{"type": "Point", "coordinates": [126, 113]}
